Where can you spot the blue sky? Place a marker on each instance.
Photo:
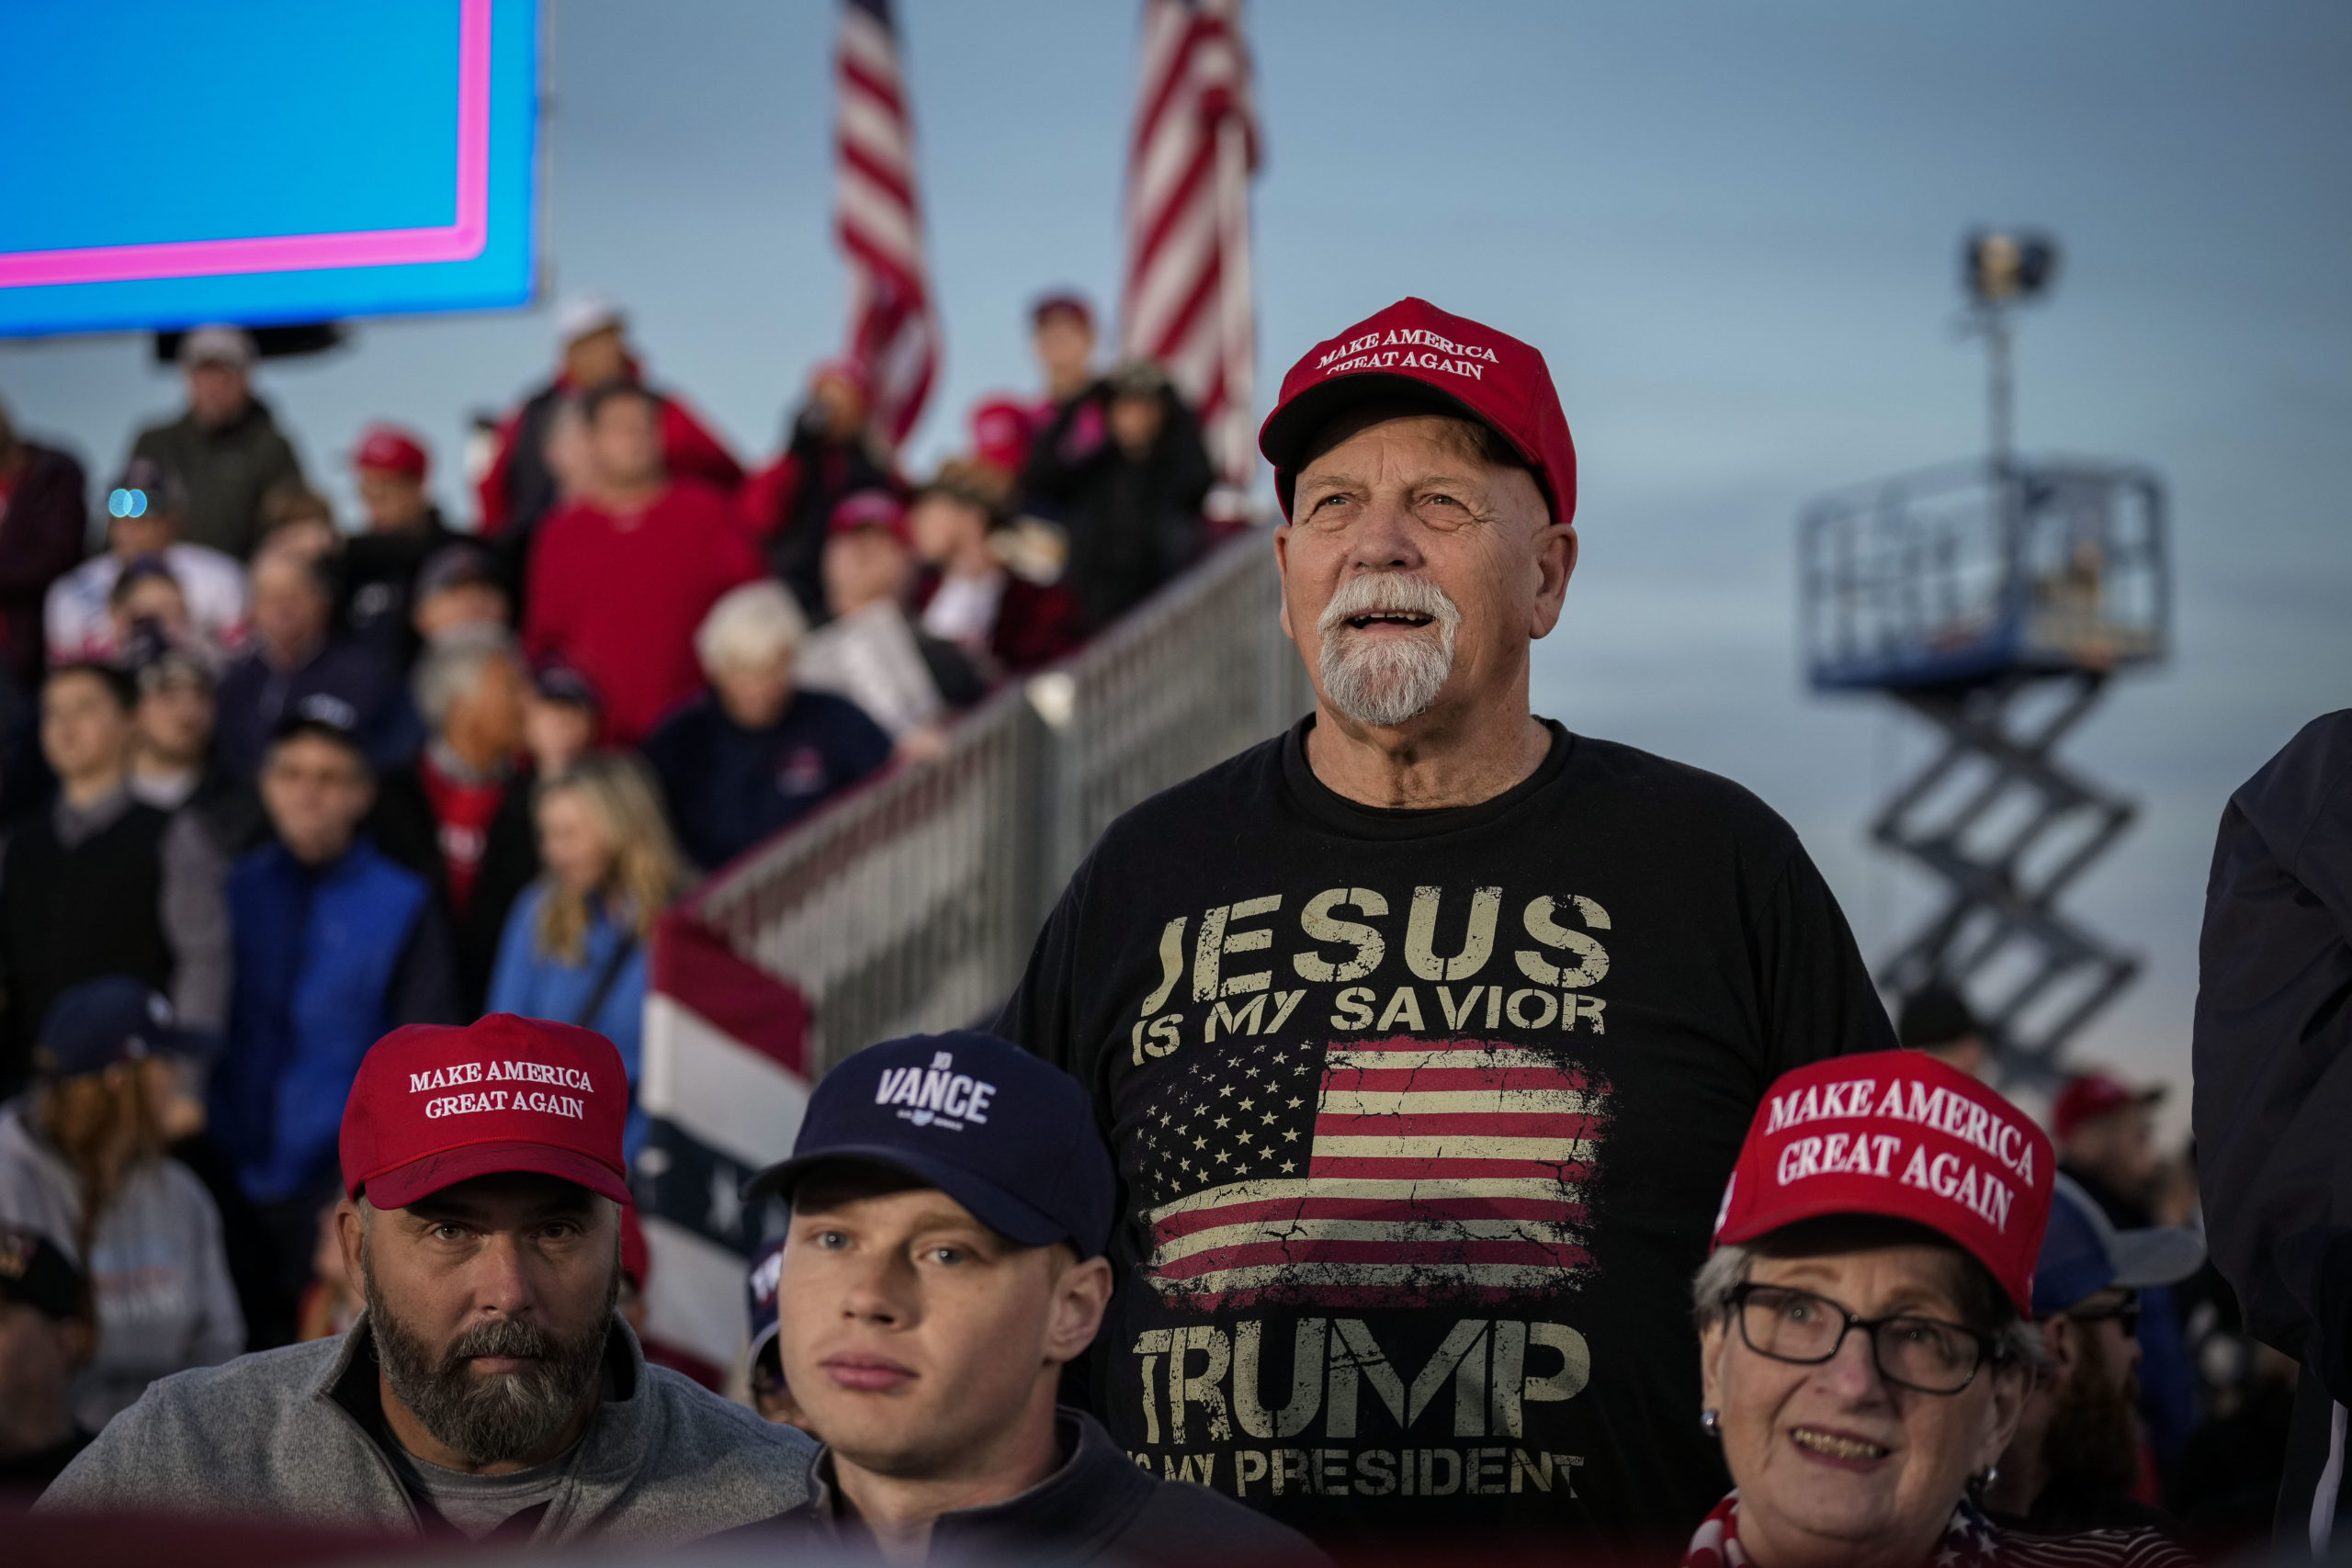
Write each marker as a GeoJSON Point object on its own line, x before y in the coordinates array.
{"type": "Point", "coordinates": [1732, 229]}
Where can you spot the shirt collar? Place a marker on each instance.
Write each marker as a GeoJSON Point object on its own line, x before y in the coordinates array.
{"type": "Point", "coordinates": [77, 823]}
{"type": "Point", "coordinates": [1072, 1513]}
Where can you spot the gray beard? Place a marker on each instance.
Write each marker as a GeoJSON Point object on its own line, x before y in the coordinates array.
{"type": "Point", "coordinates": [1387, 681]}
{"type": "Point", "coordinates": [1385, 684]}
{"type": "Point", "coordinates": [499, 1418]}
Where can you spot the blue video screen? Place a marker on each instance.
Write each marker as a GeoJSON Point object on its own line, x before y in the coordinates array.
{"type": "Point", "coordinates": [177, 162]}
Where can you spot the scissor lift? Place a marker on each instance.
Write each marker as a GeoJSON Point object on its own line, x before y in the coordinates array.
{"type": "Point", "coordinates": [1995, 599]}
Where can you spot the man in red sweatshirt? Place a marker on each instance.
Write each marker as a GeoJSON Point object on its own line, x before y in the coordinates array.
{"type": "Point", "coordinates": [619, 582]}
{"type": "Point", "coordinates": [519, 487]}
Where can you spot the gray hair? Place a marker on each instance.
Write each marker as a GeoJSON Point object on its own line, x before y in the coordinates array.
{"type": "Point", "coordinates": [752, 626]}
{"type": "Point", "coordinates": [452, 667]}
{"type": "Point", "coordinates": [2016, 1341]}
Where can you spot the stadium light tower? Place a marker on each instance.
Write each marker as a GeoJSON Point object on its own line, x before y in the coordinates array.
{"type": "Point", "coordinates": [1995, 599]}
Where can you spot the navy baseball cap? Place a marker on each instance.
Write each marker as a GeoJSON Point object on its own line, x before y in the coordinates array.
{"type": "Point", "coordinates": [2083, 1253]}
{"type": "Point", "coordinates": [453, 566]}
{"type": "Point", "coordinates": [1007, 1134]}
{"type": "Point", "coordinates": [563, 683]}
{"type": "Point", "coordinates": [111, 1018]}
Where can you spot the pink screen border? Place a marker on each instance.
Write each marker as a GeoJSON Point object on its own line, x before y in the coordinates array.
{"type": "Point", "coordinates": [461, 241]}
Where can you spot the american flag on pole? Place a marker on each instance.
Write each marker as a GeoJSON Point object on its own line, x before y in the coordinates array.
{"type": "Point", "coordinates": [893, 332]}
{"type": "Point", "coordinates": [1186, 301]}
{"type": "Point", "coordinates": [1370, 1173]}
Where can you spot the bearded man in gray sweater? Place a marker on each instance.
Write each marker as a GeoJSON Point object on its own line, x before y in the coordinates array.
{"type": "Point", "coordinates": [488, 1389]}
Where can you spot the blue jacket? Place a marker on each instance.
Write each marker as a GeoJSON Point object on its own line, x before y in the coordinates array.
{"type": "Point", "coordinates": [327, 962]}
{"type": "Point", "coordinates": [729, 787]}
{"type": "Point", "coordinates": [534, 984]}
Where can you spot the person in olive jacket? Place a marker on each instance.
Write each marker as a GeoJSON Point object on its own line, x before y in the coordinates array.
{"type": "Point", "coordinates": [225, 447]}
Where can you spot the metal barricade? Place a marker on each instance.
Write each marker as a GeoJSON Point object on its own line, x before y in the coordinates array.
{"type": "Point", "coordinates": [912, 904]}
{"type": "Point", "coordinates": [1201, 673]}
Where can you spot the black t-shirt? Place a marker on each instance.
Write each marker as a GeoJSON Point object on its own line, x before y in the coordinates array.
{"type": "Point", "coordinates": [1422, 1120]}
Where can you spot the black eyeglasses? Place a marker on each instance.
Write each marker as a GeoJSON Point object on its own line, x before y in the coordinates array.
{"type": "Point", "coordinates": [1922, 1353]}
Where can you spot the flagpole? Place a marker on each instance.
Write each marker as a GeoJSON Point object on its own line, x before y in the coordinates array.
{"type": "Point", "coordinates": [1238, 335]}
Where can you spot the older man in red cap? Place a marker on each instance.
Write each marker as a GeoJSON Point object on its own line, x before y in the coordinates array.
{"type": "Point", "coordinates": [1428, 1031]}
{"type": "Point", "coordinates": [489, 1389]}
{"type": "Point", "coordinates": [521, 485]}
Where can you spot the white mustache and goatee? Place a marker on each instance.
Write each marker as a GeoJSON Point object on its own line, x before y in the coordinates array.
{"type": "Point", "coordinates": [1386, 681]}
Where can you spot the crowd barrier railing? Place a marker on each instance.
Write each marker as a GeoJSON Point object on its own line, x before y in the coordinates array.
{"type": "Point", "coordinates": [910, 905]}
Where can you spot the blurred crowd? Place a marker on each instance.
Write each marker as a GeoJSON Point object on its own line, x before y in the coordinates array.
{"type": "Point", "coordinates": [276, 782]}
{"type": "Point", "coordinates": [2160, 1408]}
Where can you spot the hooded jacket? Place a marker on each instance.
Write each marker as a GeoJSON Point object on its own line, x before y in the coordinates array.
{"type": "Point", "coordinates": [2273, 1051]}
{"type": "Point", "coordinates": [297, 1433]}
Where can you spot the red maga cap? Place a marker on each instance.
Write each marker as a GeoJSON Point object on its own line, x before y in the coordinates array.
{"type": "Point", "coordinates": [390, 446]}
{"type": "Point", "coordinates": [871, 509]}
{"type": "Point", "coordinates": [2089, 1096]}
{"type": "Point", "coordinates": [1000, 432]}
{"type": "Point", "coordinates": [1902, 1135]}
{"type": "Point", "coordinates": [432, 1106]}
{"type": "Point", "coordinates": [1065, 302]}
{"type": "Point", "coordinates": [1415, 352]}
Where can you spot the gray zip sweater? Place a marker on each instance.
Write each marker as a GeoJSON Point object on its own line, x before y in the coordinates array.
{"type": "Point", "coordinates": [294, 1434]}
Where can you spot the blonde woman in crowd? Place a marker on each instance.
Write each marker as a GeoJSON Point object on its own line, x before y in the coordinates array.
{"type": "Point", "coordinates": [574, 948]}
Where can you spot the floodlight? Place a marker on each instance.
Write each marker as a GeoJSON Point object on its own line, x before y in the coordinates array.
{"type": "Point", "coordinates": [2000, 267]}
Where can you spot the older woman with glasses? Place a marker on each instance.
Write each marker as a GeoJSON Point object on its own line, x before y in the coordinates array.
{"type": "Point", "coordinates": [1863, 1326]}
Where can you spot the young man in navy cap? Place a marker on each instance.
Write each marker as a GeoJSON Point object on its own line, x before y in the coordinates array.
{"type": "Point", "coordinates": [951, 1200]}
{"type": "Point", "coordinates": [490, 1388]}
{"type": "Point", "coordinates": [334, 945]}
{"type": "Point", "coordinates": [1428, 1031]}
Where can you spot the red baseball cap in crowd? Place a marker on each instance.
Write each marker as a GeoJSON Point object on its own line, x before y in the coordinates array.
{"type": "Point", "coordinates": [1062, 302]}
{"type": "Point", "coordinates": [388, 446]}
{"type": "Point", "coordinates": [1000, 432]}
{"type": "Point", "coordinates": [434, 1105]}
{"type": "Point", "coordinates": [1901, 1134]}
{"type": "Point", "coordinates": [2089, 1096]}
{"type": "Point", "coordinates": [872, 509]}
{"type": "Point", "coordinates": [1414, 352]}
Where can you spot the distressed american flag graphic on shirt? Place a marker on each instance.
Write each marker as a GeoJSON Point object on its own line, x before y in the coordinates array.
{"type": "Point", "coordinates": [1369, 1173]}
